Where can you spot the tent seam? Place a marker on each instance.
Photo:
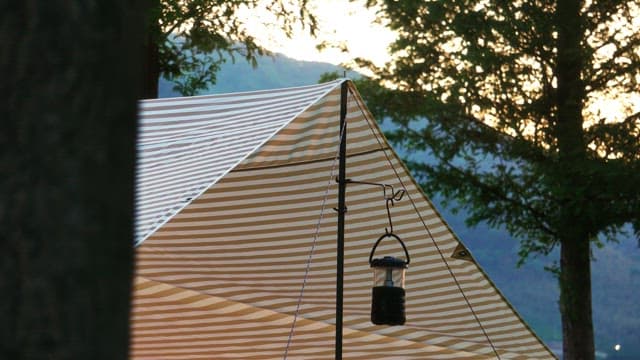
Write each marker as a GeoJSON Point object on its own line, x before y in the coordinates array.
{"type": "Point", "coordinates": [177, 209]}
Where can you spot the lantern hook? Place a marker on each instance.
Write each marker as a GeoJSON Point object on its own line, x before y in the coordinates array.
{"type": "Point", "coordinates": [389, 194]}
{"type": "Point", "coordinates": [387, 190]}
{"type": "Point", "coordinates": [391, 200]}
{"type": "Point", "coordinates": [390, 197]}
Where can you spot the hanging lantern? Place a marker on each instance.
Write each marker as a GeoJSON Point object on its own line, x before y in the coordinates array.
{"type": "Point", "coordinates": [388, 294]}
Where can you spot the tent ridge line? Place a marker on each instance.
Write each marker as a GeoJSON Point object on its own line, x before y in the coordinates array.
{"type": "Point", "coordinates": [382, 141]}
{"type": "Point", "coordinates": [439, 215]}
{"type": "Point", "coordinates": [144, 102]}
{"type": "Point", "coordinates": [304, 162]}
{"type": "Point", "coordinates": [158, 224]}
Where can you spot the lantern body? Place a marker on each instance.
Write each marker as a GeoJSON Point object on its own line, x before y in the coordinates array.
{"type": "Point", "coordinates": [388, 294]}
{"type": "Point", "coordinates": [388, 276]}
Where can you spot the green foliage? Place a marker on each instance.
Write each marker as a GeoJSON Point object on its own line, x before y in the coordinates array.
{"type": "Point", "coordinates": [194, 38]}
{"type": "Point", "coordinates": [502, 109]}
{"type": "Point", "coordinates": [512, 94]}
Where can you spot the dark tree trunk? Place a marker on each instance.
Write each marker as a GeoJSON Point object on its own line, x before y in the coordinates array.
{"type": "Point", "coordinates": [67, 144]}
{"type": "Point", "coordinates": [573, 223]}
{"type": "Point", "coordinates": [575, 299]}
{"type": "Point", "coordinates": [150, 52]}
{"type": "Point", "coordinates": [151, 68]}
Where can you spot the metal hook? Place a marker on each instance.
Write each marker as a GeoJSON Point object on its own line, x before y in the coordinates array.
{"type": "Point", "coordinates": [397, 196]}
{"type": "Point", "coordinates": [386, 230]}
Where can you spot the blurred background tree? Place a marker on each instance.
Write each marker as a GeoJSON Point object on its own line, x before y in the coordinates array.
{"type": "Point", "coordinates": [531, 112]}
{"type": "Point", "coordinates": [188, 41]}
{"type": "Point", "coordinates": [67, 151]}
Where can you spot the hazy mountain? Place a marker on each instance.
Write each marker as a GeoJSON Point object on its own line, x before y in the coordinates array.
{"type": "Point", "coordinates": [272, 73]}
{"type": "Point", "coordinates": [531, 290]}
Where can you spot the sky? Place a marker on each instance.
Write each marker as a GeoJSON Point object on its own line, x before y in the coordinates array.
{"type": "Point", "coordinates": [338, 20]}
{"type": "Point", "coordinates": [353, 24]}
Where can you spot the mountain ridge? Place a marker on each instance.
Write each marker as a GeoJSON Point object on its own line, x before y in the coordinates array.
{"type": "Point", "coordinates": [272, 72]}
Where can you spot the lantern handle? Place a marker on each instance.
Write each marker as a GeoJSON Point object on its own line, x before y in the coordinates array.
{"type": "Point", "coordinates": [388, 234]}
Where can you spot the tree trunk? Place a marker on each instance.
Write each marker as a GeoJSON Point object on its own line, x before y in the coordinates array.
{"type": "Point", "coordinates": [150, 52]}
{"type": "Point", "coordinates": [67, 149]}
{"type": "Point", "coordinates": [573, 224]}
{"type": "Point", "coordinates": [575, 299]}
{"type": "Point", "coordinates": [151, 68]}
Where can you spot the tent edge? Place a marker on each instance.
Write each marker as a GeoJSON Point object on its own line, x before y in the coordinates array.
{"type": "Point", "coordinates": [177, 210]}
{"type": "Point", "coordinates": [369, 117]}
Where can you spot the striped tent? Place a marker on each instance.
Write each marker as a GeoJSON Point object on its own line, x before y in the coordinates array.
{"type": "Point", "coordinates": [236, 239]}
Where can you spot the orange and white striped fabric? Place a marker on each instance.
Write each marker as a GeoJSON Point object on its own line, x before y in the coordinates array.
{"type": "Point", "coordinates": [231, 194]}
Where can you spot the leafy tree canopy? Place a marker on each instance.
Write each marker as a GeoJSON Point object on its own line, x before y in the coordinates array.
{"type": "Point", "coordinates": [191, 39]}
{"type": "Point", "coordinates": [485, 74]}
{"type": "Point", "coordinates": [516, 98]}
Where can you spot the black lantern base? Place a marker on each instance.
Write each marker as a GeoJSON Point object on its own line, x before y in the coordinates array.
{"type": "Point", "coordinates": [387, 305]}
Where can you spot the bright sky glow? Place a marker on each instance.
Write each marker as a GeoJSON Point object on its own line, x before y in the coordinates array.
{"type": "Point", "coordinates": [350, 23]}
{"type": "Point", "coordinates": [339, 21]}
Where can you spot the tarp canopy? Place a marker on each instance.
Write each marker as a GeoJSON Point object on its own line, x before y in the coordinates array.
{"type": "Point", "coordinates": [236, 239]}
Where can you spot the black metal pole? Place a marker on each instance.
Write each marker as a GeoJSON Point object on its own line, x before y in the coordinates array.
{"type": "Point", "coordinates": [342, 184]}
